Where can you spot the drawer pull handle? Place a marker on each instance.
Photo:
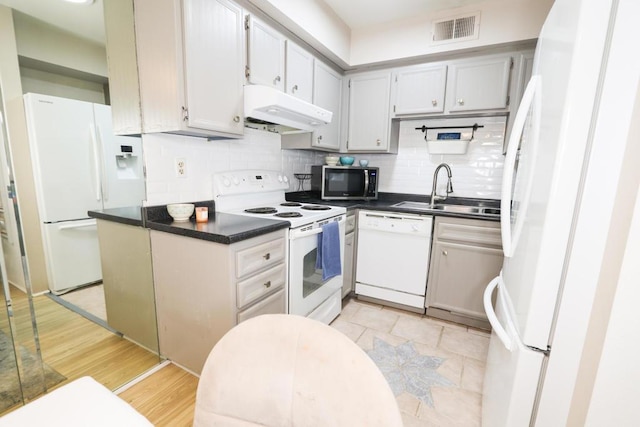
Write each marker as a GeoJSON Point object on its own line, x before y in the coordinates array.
{"type": "Point", "coordinates": [267, 256]}
{"type": "Point", "coordinates": [268, 284]}
{"type": "Point", "coordinates": [445, 253]}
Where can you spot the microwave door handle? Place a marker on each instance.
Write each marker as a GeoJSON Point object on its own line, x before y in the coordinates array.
{"type": "Point", "coordinates": [366, 183]}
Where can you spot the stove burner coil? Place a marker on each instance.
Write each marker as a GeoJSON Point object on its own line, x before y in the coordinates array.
{"type": "Point", "coordinates": [290, 204]}
{"type": "Point", "coordinates": [288, 214]}
{"type": "Point", "coordinates": [264, 210]}
{"type": "Point", "coordinates": [316, 208]}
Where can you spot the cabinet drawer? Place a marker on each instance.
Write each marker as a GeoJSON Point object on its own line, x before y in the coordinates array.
{"type": "Point", "coordinates": [259, 257]}
{"type": "Point", "coordinates": [274, 304]}
{"type": "Point", "coordinates": [261, 284]}
{"type": "Point", "coordinates": [481, 234]}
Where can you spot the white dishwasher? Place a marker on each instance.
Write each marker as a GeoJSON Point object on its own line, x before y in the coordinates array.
{"type": "Point", "coordinates": [393, 257]}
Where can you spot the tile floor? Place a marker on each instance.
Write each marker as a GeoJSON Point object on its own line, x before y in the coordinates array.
{"type": "Point", "coordinates": [464, 350]}
{"type": "Point", "coordinates": [90, 299]}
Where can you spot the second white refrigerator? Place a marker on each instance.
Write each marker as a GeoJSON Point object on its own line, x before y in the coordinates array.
{"type": "Point", "coordinates": [78, 166]}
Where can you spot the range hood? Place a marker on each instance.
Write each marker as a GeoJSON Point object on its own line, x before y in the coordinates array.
{"type": "Point", "coordinates": [267, 105]}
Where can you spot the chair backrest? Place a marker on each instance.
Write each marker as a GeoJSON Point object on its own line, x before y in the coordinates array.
{"type": "Point", "coordinates": [286, 370]}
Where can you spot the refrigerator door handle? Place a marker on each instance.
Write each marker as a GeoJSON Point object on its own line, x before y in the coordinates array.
{"type": "Point", "coordinates": [74, 226]}
{"type": "Point", "coordinates": [491, 314]}
{"type": "Point", "coordinates": [103, 167]}
{"type": "Point", "coordinates": [96, 162]}
{"type": "Point", "coordinates": [508, 241]}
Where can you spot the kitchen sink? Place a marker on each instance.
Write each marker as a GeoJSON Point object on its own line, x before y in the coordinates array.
{"type": "Point", "coordinates": [424, 206]}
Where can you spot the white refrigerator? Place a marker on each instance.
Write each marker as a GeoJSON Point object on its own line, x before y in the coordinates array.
{"type": "Point", "coordinates": [78, 166]}
{"type": "Point", "coordinates": [561, 176]}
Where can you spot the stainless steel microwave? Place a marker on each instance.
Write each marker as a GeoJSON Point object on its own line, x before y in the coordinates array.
{"type": "Point", "coordinates": [345, 182]}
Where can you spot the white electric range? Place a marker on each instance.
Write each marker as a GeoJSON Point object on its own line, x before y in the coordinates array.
{"type": "Point", "coordinates": [261, 193]}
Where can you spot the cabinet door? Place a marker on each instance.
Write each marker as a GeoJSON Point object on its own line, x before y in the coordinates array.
{"type": "Point", "coordinates": [213, 30]}
{"type": "Point", "coordinates": [349, 258]}
{"type": "Point", "coordinates": [479, 85]}
{"type": "Point", "coordinates": [266, 53]}
{"type": "Point", "coordinates": [327, 94]}
{"type": "Point", "coordinates": [299, 76]}
{"type": "Point", "coordinates": [419, 90]}
{"type": "Point", "coordinates": [459, 277]}
{"type": "Point", "coordinates": [369, 112]}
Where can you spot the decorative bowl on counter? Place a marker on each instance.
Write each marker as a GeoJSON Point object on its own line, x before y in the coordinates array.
{"type": "Point", "coordinates": [331, 160]}
{"type": "Point", "coordinates": [180, 212]}
{"type": "Point", "coordinates": [347, 160]}
{"type": "Point", "coordinates": [364, 163]}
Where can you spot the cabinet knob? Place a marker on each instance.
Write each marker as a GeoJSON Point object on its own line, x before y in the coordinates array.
{"type": "Point", "coordinates": [319, 138]}
{"type": "Point", "coordinates": [267, 256]}
{"type": "Point", "coordinates": [236, 119]}
{"type": "Point", "coordinates": [268, 284]}
{"type": "Point", "coordinates": [460, 101]}
{"type": "Point", "coordinates": [276, 80]}
{"type": "Point", "coordinates": [434, 102]}
{"type": "Point", "coordinates": [294, 88]}
{"type": "Point", "coordinates": [378, 142]}
{"type": "Point", "coordinates": [445, 253]}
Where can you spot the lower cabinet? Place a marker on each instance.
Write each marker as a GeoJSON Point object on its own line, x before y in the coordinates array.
{"type": "Point", "coordinates": [203, 289]}
{"type": "Point", "coordinates": [466, 255]}
{"type": "Point", "coordinates": [349, 254]}
{"type": "Point", "coordinates": [127, 276]}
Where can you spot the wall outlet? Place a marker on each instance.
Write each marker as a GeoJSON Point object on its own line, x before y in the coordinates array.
{"type": "Point", "coordinates": [181, 168]}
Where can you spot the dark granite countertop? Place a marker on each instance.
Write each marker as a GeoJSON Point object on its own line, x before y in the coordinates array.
{"type": "Point", "coordinates": [386, 201]}
{"type": "Point", "coordinates": [229, 228]}
{"type": "Point", "coordinates": [220, 228]}
{"type": "Point", "coordinates": [131, 215]}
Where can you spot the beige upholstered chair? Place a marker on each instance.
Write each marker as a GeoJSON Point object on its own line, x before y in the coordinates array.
{"type": "Point", "coordinates": [285, 370]}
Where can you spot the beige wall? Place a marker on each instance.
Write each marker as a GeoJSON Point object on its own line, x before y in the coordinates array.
{"type": "Point", "coordinates": [18, 141]}
{"type": "Point", "coordinates": [38, 41]}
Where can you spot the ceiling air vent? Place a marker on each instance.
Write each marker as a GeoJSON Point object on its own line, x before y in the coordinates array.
{"type": "Point", "coordinates": [456, 29]}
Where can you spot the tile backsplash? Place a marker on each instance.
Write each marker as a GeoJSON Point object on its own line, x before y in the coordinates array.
{"type": "Point", "coordinates": [477, 173]}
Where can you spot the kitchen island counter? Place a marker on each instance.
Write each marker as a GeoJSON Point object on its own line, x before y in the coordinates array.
{"type": "Point", "coordinates": [220, 228]}
{"type": "Point", "coordinates": [130, 215]}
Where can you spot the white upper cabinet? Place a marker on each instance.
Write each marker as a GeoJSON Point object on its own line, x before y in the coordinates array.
{"type": "Point", "coordinates": [213, 30]}
{"type": "Point", "coordinates": [180, 85]}
{"type": "Point", "coordinates": [479, 84]}
{"type": "Point", "coordinates": [266, 54]}
{"type": "Point", "coordinates": [327, 94]}
{"type": "Point", "coordinates": [369, 100]}
{"type": "Point", "coordinates": [299, 72]}
{"type": "Point", "coordinates": [419, 90]}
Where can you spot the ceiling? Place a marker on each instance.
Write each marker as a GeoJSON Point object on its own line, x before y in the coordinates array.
{"type": "Point", "coordinates": [86, 21]}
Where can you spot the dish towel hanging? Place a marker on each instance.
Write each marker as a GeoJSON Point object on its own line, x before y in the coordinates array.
{"type": "Point", "coordinates": [329, 251]}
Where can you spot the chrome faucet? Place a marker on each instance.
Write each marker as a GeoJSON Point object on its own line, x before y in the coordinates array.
{"type": "Point", "coordinates": [435, 183]}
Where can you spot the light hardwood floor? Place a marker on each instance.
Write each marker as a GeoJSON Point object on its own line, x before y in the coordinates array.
{"type": "Point", "coordinates": [75, 346]}
{"type": "Point", "coordinates": [166, 398]}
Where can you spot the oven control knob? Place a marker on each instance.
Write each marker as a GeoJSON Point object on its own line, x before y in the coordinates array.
{"type": "Point", "coordinates": [226, 182]}
{"type": "Point", "coordinates": [236, 181]}
{"type": "Point", "coordinates": [279, 178]}
{"type": "Point", "coordinates": [285, 178]}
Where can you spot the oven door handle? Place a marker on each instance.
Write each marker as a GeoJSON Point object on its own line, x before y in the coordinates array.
{"type": "Point", "coordinates": [299, 234]}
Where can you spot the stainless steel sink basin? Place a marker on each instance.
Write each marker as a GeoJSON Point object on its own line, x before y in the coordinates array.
{"type": "Point", "coordinates": [423, 206]}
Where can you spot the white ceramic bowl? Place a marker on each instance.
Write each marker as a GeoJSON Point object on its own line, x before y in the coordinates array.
{"type": "Point", "coordinates": [331, 160]}
{"type": "Point", "coordinates": [363, 163]}
{"type": "Point", "coordinates": [180, 211]}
